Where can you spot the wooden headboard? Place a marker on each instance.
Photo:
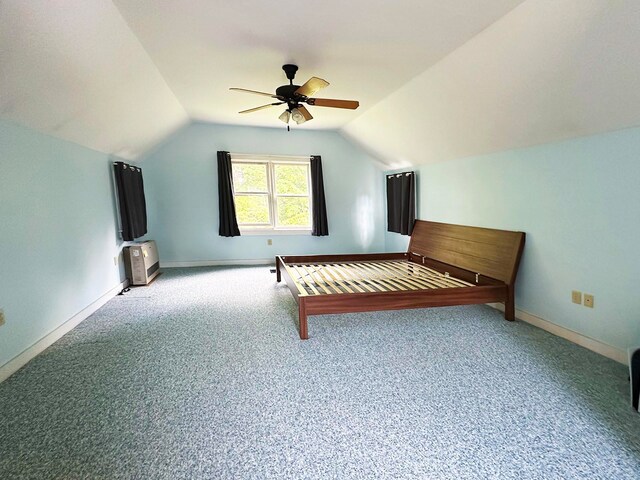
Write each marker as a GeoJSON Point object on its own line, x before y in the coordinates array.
{"type": "Point", "coordinates": [489, 252]}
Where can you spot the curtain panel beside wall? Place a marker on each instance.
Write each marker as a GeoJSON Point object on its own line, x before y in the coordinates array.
{"type": "Point", "coordinates": [131, 201]}
{"type": "Point", "coordinates": [226, 203]}
{"type": "Point", "coordinates": [401, 202]}
{"type": "Point", "coordinates": [319, 223]}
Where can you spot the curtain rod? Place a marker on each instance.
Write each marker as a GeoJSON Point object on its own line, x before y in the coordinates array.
{"type": "Point", "coordinates": [132, 167]}
{"type": "Point", "coordinates": [257, 156]}
{"type": "Point", "coordinates": [400, 174]}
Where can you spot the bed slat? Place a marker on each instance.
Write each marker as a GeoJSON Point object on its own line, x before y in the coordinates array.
{"type": "Point", "coordinates": [311, 272]}
{"type": "Point", "coordinates": [302, 278]}
{"type": "Point", "coordinates": [330, 281]}
{"type": "Point", "coordinates": [421, 282]}
{"type": "Point", "coordinates": [345, 281]}
{"type": "Point", "coordinates": [366, 282]}
{"type": "Point", "coordinates": [389, 277]}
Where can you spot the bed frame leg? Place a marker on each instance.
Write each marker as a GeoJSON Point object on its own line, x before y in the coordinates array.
{"type": "Point", "coordinates": [510, 305]}
{"type": "Point", "coordinates": [302, 316]}
{"type": "Point", "coordinates": [278, 275]}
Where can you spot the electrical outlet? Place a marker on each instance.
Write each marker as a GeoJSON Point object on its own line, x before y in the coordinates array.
{"type": "Point", "coordinates": [588, 300]}
{"type": "Point", "coordinates": [576, 297]}
{"type": "Point", "coordinates": [269, 241]}
{"type": "Point", "coordinates": [1, 317]}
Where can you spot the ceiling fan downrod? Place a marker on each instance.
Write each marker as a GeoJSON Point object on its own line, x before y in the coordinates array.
{"type": "Point", "coordinates": [290, 71]}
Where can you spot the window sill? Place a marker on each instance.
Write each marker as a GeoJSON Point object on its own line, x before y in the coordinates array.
{"type": "Point", "coordinates": [272, 231]}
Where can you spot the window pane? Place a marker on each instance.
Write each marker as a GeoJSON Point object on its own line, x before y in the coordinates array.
{"type": "Point", "coordinates": [249, 177]}
{"type": "Point", "coordinates": [252, 209]}
{"type": "Point", "coordinates": [292, 179]}
{"type": "Point", "coordinates": [293, 212]}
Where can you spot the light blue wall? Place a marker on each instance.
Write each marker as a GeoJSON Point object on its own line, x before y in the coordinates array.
{"type": "Point", "coordinates": [57, 234]}
{"type": "Point", "coordinates": [395, 242]}
{"type": "Point", "coordinates": [181, 186]}
{"type": "Point", "coordinates": [579, 203]}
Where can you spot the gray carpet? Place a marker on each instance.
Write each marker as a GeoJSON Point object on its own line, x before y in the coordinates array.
{"type": "Point", "coordinates": [202, 375]}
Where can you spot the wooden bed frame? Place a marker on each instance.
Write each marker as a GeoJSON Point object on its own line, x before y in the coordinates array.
{"type": "Point", "coordinates": [445, 265]}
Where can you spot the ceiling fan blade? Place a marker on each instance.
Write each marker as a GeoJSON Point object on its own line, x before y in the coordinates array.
{"type": "Point", "coordinates": [328, 102]}
{"type": "Point", "coordinates": [254, 91]}
{"type": "Point", "coordinates": [312, 86]}
{"type": "Point", "coordinates": [261, 107]}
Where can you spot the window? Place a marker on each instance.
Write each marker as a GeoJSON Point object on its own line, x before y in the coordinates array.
{"type": "Point", "coordinates": [272, 195]}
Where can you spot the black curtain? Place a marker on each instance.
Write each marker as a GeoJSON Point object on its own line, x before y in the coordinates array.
{"type": "Point", "coordinates": [131, 201]}
{"type": "Point", "coordinates": [401, 202]}
{"type": "Point", "coordinates": [226, 204]}
{"type": "Point", "coordinates": [319, 226]}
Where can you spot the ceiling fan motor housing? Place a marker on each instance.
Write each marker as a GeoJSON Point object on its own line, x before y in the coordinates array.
{"type": "Point", "coordinates": [287, 91]}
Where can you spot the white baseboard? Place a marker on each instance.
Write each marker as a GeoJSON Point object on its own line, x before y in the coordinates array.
{"type": "Point", "coordinates": [216, 263]}
{"type": "Point", "coordinates": [597, 346]}
{"type": "Point", "coordinates": [20, 360]}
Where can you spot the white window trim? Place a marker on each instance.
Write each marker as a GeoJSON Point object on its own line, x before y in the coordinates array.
{"type": "Point", "coordinates": [272, 196]}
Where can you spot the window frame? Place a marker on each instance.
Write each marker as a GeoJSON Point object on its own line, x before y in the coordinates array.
{"type": "Point", "coordinates": [271, 161]}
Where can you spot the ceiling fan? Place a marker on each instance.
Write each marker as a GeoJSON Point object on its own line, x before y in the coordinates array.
{"type": "Point", "coordinates": [295, 95]}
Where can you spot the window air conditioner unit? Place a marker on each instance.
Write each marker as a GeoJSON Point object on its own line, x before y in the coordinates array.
{"type": "Point", "coordinates": [141, 262]}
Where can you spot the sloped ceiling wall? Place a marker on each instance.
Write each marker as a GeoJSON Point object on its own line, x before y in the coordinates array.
{"type": "Point", "coordinates": [546, 71]}
{"type": "Point", "coordinates": [117, 76]}
{"type": "Point", "coordinates": [436, 80]}
{"type": "Point", "coordinates": [76, 71]}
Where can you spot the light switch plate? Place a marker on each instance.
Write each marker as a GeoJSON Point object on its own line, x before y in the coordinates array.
{"type": "Point", "coordinates": [576, 297]}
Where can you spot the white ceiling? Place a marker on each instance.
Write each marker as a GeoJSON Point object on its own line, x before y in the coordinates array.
{"type": "Point", "coordinates": [436, 80]}
{"type": "Point", "coordinates": [366, 49]}
{"type": "Point", "coordinates": [119, 76]}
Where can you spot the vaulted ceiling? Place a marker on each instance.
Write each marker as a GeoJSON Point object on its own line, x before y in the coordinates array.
{"type": "Point", "coordinates": [547, 71]}
{"type": "Point", "coordinates": [435, 80]}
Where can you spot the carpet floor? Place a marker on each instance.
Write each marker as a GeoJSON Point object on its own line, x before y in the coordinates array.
{"type": "Point", "coordinates": [202, 375]}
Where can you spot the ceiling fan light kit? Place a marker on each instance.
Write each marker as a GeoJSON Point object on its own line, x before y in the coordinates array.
{"type": "Point", "coordinates": [300, 115]}
{"type": "Point", "coordinates": [297, 116]}
{"type": "Point", "coordinates": [284, 116]}
{"type": "Point", "coordinates": [295, 95]}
